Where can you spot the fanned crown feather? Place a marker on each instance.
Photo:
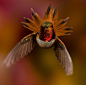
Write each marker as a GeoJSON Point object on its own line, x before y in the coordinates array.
{"type": "Point", "coordinates": [51, 15]}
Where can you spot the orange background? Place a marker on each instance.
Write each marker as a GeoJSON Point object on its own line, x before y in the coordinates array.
{"type": "Point", "coordinates": [41, 67]}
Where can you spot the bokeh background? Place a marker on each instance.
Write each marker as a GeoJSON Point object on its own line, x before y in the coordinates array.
{"type": "Point", "coordinates": [41, 67]}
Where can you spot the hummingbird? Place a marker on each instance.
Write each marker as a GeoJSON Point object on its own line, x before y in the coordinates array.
{"type": "Point", "coordinates": [45, 33]}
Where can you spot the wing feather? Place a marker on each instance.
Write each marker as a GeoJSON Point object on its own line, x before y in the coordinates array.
{"type": "Point", "coordinates": [63, 57]}
{"type": "Point", "coordinates": [24, 47]}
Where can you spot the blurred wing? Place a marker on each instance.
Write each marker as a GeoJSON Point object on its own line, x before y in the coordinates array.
{"type": "Point", "coordinates": [20, 50]}
{"type": "Point", "coordinates": [63, 57]}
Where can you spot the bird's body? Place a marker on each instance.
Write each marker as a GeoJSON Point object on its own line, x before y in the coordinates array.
{"type": "Point", "coordinates": [45, 34]}
{"type": "Point", "coordinates": [45, 44]}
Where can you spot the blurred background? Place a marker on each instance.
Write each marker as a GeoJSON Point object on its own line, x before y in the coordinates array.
{"type": "Point", "coordinates": [41, 67]}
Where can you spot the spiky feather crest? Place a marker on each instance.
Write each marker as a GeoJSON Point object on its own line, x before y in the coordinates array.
{"type": "Point", "coordinates": [51, 15]}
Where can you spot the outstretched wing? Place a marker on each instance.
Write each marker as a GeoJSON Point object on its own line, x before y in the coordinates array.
{"type": "Point", "coordinates": [63, 57]}
{"type": "Point", "coordinates": [24, 47]}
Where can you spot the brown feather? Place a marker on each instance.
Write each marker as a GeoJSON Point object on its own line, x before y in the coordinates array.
{"type": "Point", "coordinates": [20, 50]}
{"type": "Point", "coordinates": [29, 26]}
{"type": "Point", "coordinates": [31, 22]}
{"type": "Point", "coordinates": [47, 12]}
{"type": "Point", "coordinates": [59, 28]}
{"type": "Point", "coordinates": [63, 56]}
{"type": "Point", "coordinates": [55, 14]}
{"type": "Point", "coordinates": [36, 18]}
